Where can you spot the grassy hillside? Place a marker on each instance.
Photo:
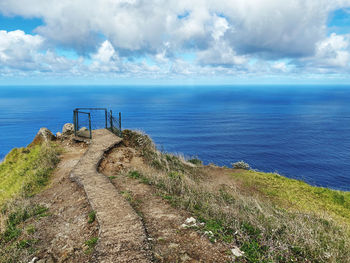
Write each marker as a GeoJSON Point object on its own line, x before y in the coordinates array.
{"type": "Point", "coordinates": [269, 217]}
{"type": "Point", "coordinates": [26, 170]}
{"type": "Point", "coordinates": [296, 195]}
{"type": "Point", "coordinates": [23, 173]}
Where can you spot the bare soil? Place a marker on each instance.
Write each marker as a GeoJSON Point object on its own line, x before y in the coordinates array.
{"type": "Point", "coordinates": [169, 241]}
{"type": "Point", "coordinates": [63, 232]}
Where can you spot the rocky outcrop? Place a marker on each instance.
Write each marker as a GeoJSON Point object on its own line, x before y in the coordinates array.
{"type": "Point", "coordinates": [43, 135]}
{"type": "Point", "coordinates": [68, 129]}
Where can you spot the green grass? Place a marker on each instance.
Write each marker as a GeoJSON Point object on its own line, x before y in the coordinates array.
{"type": "Point", "coordinates": [23, 173]}
{"type": "Point", "coordinates": [26, 171]}
{"type": "Point", "coordinates": [296, 195]}
{"type": "Point", "coordinates": [91, 243]}
{"type": "Point", "coordinates": [92, 217]}
{"type": "Point", "coordinates": [17, 216]}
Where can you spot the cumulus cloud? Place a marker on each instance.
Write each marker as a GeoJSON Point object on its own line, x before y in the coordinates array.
{"type": "Point", "coordinates": [282, 28]}
{"type": "Point", "coordinates": [223, 34]}
{"type": "Point", "coordinates": [18, 50]}
{"type": "Point", "coordinates": [333, 51]}
{"type": "Point", "coordinates": [25, 52]}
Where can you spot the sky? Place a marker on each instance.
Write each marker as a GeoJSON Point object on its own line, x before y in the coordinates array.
{"type": "Point", "coordinates": [174, 42]}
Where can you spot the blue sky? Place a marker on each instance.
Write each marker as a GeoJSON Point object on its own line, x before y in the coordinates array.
{"type": "Point", "coordinates": [174, 42]}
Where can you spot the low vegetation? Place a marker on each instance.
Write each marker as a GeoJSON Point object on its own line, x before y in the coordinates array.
{"type": "Point", "coordinates": [241, 165]}
{"type": "Point", "coordinates": [92, 217]}
{"type": "Point", "coordinates": [91, 243]}
{"type": "Point", "coordinates": [269, 217]}
{"type": "Point", "coordinates": [26, 170]}
{"type": "Point", "coordinates": [23, 173]}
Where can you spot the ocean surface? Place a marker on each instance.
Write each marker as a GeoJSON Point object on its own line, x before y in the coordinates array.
{"type": "Point", "coordinates": [301, 132]}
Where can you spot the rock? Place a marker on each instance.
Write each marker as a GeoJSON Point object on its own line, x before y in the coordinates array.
{"type": "Point", "coordinates": [35, 259]}
{"type": "Point", "coordinates": [83, 129]}
{"type": "Point", "coordinates": [58, 135]}
{"type": "Point", "coordinates": [68, 129]}
{"type": "Point", "coordinates": [185, 258]}
{"type": "Point", "coordinates": [43, 135]}
{"type": "Point", "coordinates": [190, 220]}
{"type": "Point", "coordinates": [237, 252]}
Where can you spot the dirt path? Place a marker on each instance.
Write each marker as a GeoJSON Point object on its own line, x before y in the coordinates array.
{"type": "Point", "coordinates": [63, 232]}
{"type": "Point", "coordinates": [170, 242]}
{"type": "Point", "coordinates": [122, 237]}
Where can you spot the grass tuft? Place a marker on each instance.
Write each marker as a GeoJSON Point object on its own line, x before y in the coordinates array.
{"type": "Point", "coordinates": [92, 217]}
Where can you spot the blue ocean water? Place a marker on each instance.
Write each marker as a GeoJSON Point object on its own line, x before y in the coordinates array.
{"type": "Point", "coordinates": [301, 132]}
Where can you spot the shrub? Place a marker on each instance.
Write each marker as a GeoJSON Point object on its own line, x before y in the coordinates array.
{"type": "Point", "coordinates": [241, 165]}
{"type": "Point", "coordinates": [195, 161]}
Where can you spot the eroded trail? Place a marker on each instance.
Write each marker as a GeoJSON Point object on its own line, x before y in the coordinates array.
{"type": "Point", "coordinates": [122, 237]}
{"type": "Point", "coordinates": [170, 242]}
{"type": "Point", "coordinates": [62, 232]}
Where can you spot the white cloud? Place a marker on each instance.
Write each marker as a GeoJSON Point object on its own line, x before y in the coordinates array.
{"type": "Point", "coordinates": [333, 51]}
{"type": "Point", "coordinates": [223, 34]}
{"type": "Point", "coordinates": [106, 59]}
{"type": "Point", "coordinates": [280, 66]}
{"type": "Point", "coordinates": [18, 50]}
{"type": "Point", "coordinates": [332, 55]}
{"type": "Point", "coordinates": [271, 27]}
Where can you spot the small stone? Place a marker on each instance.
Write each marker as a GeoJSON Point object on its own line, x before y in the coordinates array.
{"type": "Point", "coordinates": [190, 220]}
{"type": "Point", "coordinates": [237, 252]}
{"type": "Point", "coordinates": [34, 259]}
{"type": "Point", "coordinates": [184, 226]}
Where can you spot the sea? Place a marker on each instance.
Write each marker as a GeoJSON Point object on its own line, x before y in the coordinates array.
{"type": "Point", "coordinates": [301, 132]}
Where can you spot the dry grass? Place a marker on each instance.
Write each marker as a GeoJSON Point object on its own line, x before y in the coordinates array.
{"type": "Point", "coordinates": [265, 231]}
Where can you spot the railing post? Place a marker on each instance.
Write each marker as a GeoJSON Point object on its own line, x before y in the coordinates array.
{"type": "Point", "coordinates": [111, 120]}
{"type": "Point", "coordinates": [106, 118]}
{"type": "Point", "coordinates": [77, 120]}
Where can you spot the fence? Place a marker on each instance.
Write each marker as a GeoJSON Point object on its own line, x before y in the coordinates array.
{"type": "Point", "coordinates": [87, 119]}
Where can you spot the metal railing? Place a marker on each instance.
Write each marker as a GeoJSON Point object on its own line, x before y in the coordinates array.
{"type": "Point", "coordinates": [115, 124]}
{"type": "Point", "coordinates": [95, 118]}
